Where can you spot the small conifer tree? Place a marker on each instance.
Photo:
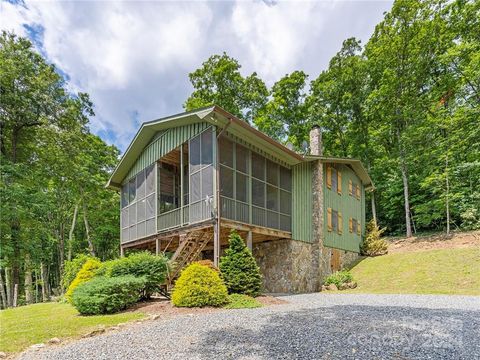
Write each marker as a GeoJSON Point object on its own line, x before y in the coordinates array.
{"type": "Point", "coordinates": [373, 244]}
{"type": "Point", "coordinates": [238, 268]}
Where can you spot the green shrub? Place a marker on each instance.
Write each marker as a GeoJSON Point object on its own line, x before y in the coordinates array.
{"type": "Point", "coordinates": [338, 278]}
{"type": "Point", "coordinates": [86, 273]}
{"type": "Point", "coordinates": [373, 244]}
{"type": "Point", "coordinates": [239, 269]}
{"type": "Point", "coordinates": [141, 264]}
{"type": "Point", "coordinates": [72, 267]}
{"type": "Point", "coordinates": [199, 285]}
{"type": "Point", "coordinates": [240, 301]}
{"type": "Point", "coordinates": [103, 295]}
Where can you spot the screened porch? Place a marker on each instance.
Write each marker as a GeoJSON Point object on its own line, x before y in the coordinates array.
{"type": "Point", "coordinates": [180, 190]}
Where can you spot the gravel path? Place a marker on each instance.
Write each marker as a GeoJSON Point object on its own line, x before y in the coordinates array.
{"type": "Point", "coordinates": [310, 326]}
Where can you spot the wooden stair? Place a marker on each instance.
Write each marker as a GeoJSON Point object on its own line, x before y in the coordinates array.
{"type": "Point", "coordinates": [189, 249]}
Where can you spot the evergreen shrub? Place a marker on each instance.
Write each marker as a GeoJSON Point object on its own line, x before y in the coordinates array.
{"type": "Point", "coordinates": [86, 273]}
{"type": "Point", "coordinates": [373, 244]}
{"type": "Point", "coordinates": [238, 268]}
{"type": "Point", "coordinates": [103, 295]}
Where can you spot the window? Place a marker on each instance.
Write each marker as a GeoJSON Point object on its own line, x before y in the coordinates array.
{"type": "Point", "coordinates": [334, 221]}
{"type": "Point", "coordinates": [354, 226]}
{"type": "Point", "coordinates": [334, 179]}
{"type": "Point", "coordinates": [354, 189]}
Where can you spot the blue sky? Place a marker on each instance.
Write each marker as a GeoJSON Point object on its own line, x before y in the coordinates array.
{"type": "Point", "coordinates": [133, 58]}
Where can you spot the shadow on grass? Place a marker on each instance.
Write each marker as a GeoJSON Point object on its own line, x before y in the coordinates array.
{"type": "Point", "coordinates": [348, 332]}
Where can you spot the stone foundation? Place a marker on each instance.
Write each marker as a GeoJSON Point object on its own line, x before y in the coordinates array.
{"type": "Point", "coordinates": [290, 266]}
{"type": "Point", "coordinates": [286, 266]}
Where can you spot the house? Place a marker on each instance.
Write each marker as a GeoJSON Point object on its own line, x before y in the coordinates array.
{"type": "Point", "coordinates": [187, 180]}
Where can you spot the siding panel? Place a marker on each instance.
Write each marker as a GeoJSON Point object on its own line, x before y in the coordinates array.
{"type": "Point", "coordinates": [302, 202]}
{"type": "Point", "coordinates": [349, 206]}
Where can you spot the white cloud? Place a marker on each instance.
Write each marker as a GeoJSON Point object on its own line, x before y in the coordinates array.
{"type": "Point", "coordinates": [276, 36]}
{"type": "Point", "coordinates": [133, 58]}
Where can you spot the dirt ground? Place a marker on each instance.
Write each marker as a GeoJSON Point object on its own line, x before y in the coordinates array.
{"type": "Point", "coordinates": [436, 241]}
{"type": "Point", "coordinates": [163, 307]}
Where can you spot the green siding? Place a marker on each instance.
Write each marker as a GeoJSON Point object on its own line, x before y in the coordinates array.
{"type": "Point", "coordinates": [164, 143]}
{"type": "Point", "coordinates": [302, 202]}
{"type": "Point", "coordinates": [349, 206]}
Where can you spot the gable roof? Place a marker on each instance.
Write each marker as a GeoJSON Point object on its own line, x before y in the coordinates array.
{"type": "Point", "coordinates": [355, 164]}
{"type": "Point", "coordinates": [211, 114]}
{"type": "Point", "coordinates": [217, 116]}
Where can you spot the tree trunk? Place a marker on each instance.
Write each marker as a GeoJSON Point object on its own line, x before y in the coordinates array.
{"type": "Point", "coordinates": [87, 230]}
{"type": "Point", "coordinates": [404, 171]}
{"type": "Point", "coordinates": [15, 295]}
{"type": "Point", "coordinates": [28, 281]}
{"type": "Point", "coordinates": [3, 295]}
{"type": "Point", "coordinates": [61, 249]}
{"type": "Point", "coordinates": [407, 203]}
{"type": "Point", "coordinates": [15, 237]}
{"type": "Point", "coordinates": [8, 287]}
{"type": "Point", "coordinates": [44, 275]}
{"type": "Point", "coordinates": [71, 232]}
{"type": "Point", "coordinates": [36, 286]}
{"type": "Point", "coordinates": [374, 209]}
{"type": "Point", "coordinates": [447, 202]}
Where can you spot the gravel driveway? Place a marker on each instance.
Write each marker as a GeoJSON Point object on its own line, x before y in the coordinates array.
{"type": "Point", "coordinates": [310, 326]}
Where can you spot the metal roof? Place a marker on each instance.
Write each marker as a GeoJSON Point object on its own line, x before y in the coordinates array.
{"type": "Point", "coordinates": [222, 118]}
{"type": "Point", "coordinates": [211, 114]}
{"type": "Point", "coordinates": [356, 165]}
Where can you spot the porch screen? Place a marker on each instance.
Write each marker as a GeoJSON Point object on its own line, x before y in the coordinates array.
{"type": "Point", "coordinates": [201, 176]}
{"type": "Point", "coordinates": [254, 189]}
{"type": "Point", "coordinates": [138, 206]}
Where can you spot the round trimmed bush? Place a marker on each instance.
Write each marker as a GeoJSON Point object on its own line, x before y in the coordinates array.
{"type": "Point", "coordinates": [239, 269]}
{"type": "Point", "coordinates": [199, 285]}
{"type": "Point", "coordinates": [86, 273]}
{"type": "Point", "coordinates": [141, 264]}
{"type": "Point", "coordinates": [103, 295]}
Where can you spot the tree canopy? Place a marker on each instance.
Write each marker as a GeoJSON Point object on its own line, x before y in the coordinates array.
{"type": "Point", "coordinates": [406, 104]}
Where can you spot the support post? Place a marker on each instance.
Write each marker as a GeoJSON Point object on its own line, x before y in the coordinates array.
{"type": "Point", "coordinates": [249, 240]}
{"type": "Point", "coordinates": [216, 199]}
{"type": "Point", "coordinates": [157, 246]}
{"type": "Point", "coordinates": [122, 254]}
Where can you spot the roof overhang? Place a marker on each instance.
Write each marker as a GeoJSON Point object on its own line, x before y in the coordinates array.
{"type": "Point", "coordinates": [212, 114]}
{"type": "Point", "coordinates": [355, 164]}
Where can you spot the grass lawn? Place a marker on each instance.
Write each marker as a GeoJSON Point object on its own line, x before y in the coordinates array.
{"type": "Point", "coordinates": [443, 271]}
{"type": "Point", "coordinates": [33, 324]}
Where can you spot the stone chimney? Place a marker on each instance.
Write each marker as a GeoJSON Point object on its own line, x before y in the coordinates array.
{"type": "Point", "coordinates": [316, 147]}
